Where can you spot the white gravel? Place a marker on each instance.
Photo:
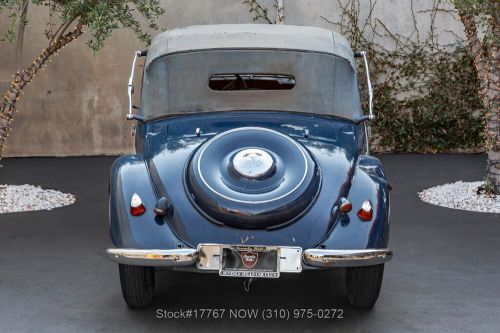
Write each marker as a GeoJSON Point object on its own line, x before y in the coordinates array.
{"type": "Point", "coordinates": [461, 195]}
{"type": "Point", "coordinates": [22, 198]}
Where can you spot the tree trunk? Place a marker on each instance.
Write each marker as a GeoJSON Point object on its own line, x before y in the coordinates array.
{"type": "Point", "coordinates": [280, 14]}
{"type": "Point", "coordinates": [493, 95]}
{"type": "Point", "coordinates": [22, 78]}
{"type": "Point", "coordinates": [488, 70]}
{"type": "Point", "coordinates": [476, 49]}
{"type": "Point", "coordinates": [20, 33]}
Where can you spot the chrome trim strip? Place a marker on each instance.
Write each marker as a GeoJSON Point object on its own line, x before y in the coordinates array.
{"type": "Point", "coordinates": [176, 257]}
{"type": "Point", "coordinates": [306, 168]}
{"type": "Point", "coordinates": [346, 258]}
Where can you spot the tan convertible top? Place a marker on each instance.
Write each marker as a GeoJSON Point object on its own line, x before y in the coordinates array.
{"type": "Point", "coordinates": [182, 62]}
{"type": "Point", "coordinates": [249, 36]}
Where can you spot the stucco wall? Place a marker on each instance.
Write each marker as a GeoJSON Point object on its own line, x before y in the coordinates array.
{"type": "Point", "coordinates": [78, 105]}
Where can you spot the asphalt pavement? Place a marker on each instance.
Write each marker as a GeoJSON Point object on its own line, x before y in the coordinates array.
{"type": "Point", "coordinates": [444, 277]}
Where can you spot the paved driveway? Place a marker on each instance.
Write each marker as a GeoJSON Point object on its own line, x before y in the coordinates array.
{"type": "Point", "coordinates": [445, 275]}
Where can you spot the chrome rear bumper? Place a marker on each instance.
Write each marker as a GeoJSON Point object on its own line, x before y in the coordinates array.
{"type": "Point", "coordinates": [346, 258]}
{"type": "Point", "coordinates": [190, 257]}
{"type": "Point", "coordinates": [176, 257]}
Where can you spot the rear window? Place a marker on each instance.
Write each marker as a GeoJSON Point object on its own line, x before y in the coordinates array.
{"type": "Point", "coordinates": [236, 81]}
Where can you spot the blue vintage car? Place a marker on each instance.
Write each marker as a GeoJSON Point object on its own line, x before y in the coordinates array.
{"type": "Point", "coordinates": [252, 161]}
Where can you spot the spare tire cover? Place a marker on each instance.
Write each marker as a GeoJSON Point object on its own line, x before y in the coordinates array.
{"type": "Point", "coordinates": [252, 178]}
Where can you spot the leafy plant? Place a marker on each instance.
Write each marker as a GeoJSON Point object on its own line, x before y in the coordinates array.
{"type": "Point", "coordinates": [425, 94]}
{"type": "Point", "coordinates": [261, 12]}
{"type": "Point", "coordinates": [99, 18]}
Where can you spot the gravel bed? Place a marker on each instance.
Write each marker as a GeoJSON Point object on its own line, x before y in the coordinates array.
{"type": "Point", "coordinates": [22, 198]}
{"type": "Point", "coordinates": [461, 195]}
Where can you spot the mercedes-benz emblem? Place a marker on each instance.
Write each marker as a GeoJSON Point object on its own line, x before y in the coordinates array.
{"type": "Point", "coordinates": [253, 163]}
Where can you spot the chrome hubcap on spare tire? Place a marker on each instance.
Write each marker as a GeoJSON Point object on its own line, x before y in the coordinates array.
{"type": "Point", "coordinates": [253, 163]}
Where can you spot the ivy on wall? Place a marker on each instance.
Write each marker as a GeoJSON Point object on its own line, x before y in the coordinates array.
{"type": "Point", "coordinates": [442, 114]}
{"type": "Point", "coordinates": [425, 93]}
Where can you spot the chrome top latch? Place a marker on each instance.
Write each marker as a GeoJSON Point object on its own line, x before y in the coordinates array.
{"type": "Point", "coordinates": [130, 87]}
{"type": "Point", "coordinates": [362, 54]}
{"type": "Point", "coordinates": [370, 116]}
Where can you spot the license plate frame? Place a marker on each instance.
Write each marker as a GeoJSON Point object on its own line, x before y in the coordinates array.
{"type": "Point", "coordinates": [250, 261]}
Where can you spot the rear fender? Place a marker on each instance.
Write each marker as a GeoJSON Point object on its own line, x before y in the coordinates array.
{"type": "Point", "coordinates": [129, 175]}
{"type": "Point", "coordinates": [350, 232]}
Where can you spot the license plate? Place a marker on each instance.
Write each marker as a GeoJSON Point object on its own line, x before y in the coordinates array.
{"type": "Point", "coordinates": [250, 261]}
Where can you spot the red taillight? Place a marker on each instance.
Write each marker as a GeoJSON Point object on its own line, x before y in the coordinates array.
{"type": "Point", "coordinates": [345, 205]}
{"type": "Point", "coordinates": [136, 211]}
{"type": "Point", "coordinates": [365, 213]}
{"type": "Point", "coordinates": [136, 206]}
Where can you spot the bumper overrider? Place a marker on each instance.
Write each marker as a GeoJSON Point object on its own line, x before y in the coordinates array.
{"type": "Point", "coordinates": [292, 259]}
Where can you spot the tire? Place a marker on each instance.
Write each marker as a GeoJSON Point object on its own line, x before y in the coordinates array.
{"type": "Point", "coordinates": [138, 285]}
{"type": "Point", "coordinates": [363, 285]}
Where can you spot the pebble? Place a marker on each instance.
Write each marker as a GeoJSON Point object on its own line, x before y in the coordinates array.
{"type": "Point", "coordinates": [461, 195]}
{"type": "Point", "coordinates": [22, 198]}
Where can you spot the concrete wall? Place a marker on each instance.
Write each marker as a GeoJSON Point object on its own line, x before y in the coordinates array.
{"type": "Point", "coordinates": [78, 105]}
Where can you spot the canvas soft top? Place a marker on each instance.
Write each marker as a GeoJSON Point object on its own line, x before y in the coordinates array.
{"type": "Point", "coordinates": [183, 65]}
{"type": "Point", "coordinates": [249, 36]}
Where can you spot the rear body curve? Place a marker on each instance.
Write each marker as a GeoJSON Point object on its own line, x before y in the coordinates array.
{"type": "Point", "coordinates": [158, 170]}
